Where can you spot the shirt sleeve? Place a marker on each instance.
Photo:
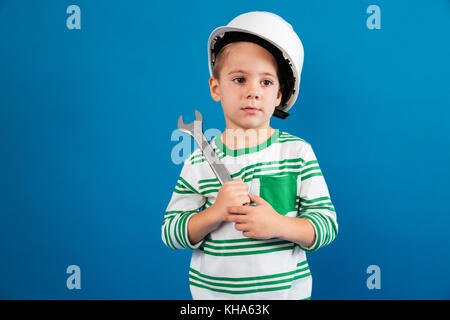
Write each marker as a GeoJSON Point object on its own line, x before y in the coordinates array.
{"type": "Point", "coordinates": [186, 201]}
{"type": "Point", "coordinates": [315, 202]}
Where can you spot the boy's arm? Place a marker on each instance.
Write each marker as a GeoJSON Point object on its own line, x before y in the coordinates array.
{"type": "Point", "coordinates": [185, 223]}
{"type": "Point", "coordinates": [233, 192]}
{"type": "Point", "coordinates": [184, 204]}
{"type": "Point", "coordinates": [315, 203]}
{"type": "Point", "coordinates": [300, 231]}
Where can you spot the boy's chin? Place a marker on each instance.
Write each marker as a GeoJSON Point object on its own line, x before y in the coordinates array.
{"type": "Point", "coordinates": [251, 124]}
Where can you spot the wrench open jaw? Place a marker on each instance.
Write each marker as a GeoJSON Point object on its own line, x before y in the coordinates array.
{"type": "Point", "coordinates": [195, 129]}
{"type": "Point", "coordinates": [190, 127]}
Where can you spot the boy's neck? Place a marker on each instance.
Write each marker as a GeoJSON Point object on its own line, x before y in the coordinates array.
{"type": "Point", "coordinates": [238, 138]}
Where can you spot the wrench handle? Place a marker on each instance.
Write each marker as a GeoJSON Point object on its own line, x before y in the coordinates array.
{"type": "Point", "coordinates": [210, 155]}
{"type": "Point", "coordinates": [216, 164]}
{"type": "Point", "coordinates": [195, 129]}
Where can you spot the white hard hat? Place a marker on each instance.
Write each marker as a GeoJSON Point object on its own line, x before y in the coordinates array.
{"type": "Point", "coordinates": [268, 30]}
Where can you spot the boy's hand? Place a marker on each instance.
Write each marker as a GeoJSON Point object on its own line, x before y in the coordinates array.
{"type": "Point", "coordinates": [259, 222]}
{"type": "Point", "coordinates": [231, 193]}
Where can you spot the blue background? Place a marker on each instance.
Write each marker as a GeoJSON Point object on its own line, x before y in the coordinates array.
{"type": "Point", "coordinates": [86, 118]}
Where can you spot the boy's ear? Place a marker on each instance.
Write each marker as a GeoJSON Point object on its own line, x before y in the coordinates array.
{"type": "Point", "coordinates": [214, 88]}
{"type": "Point", "coordinates": [279, 96]}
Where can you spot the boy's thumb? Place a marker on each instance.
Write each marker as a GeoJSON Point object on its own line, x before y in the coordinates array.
{"type": "Point", "coordinates": [257, 199]}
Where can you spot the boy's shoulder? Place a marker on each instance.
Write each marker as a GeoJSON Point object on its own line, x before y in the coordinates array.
{"type": "Point", "coordinates": [287, 137]}
{"type": "Point", "coordinates": [292, 146]}
{"type": "Point", "coordinates": [196, 156]}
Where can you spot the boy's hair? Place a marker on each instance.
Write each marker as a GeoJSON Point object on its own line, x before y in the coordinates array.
{"type": "Point", "coordinates": [222, 56]}
{"type": "Point", "coordinates": [220, 59]}
{"type": "Point", "coordinates": [222, 49]}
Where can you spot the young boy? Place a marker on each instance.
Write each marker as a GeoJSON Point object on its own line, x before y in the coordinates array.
{"type": "Point", "coordinates": [243, 251]}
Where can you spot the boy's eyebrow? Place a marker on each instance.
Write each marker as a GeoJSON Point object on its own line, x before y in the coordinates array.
{"type": "Point", "coordinates": [242, 71]}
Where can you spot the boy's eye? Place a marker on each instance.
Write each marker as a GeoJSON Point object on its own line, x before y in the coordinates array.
{"type": "Point", "coordinates": [263, 82]}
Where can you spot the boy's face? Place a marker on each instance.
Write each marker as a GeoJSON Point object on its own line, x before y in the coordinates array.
{"type": "Point", "coordinates": [247, 86]}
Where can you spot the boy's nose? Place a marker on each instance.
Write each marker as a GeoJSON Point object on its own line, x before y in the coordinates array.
{"type": "Point", "coordinates": [253, 95]}
{"type": "Point", "coordinates": [253, 92]}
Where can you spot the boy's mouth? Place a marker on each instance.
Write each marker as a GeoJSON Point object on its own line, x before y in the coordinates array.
{"type": "Point", "coordinates": [250, 110]}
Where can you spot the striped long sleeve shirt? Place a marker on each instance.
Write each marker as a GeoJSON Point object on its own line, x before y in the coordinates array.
{"type": "Point", "coordinates": [227, 265]}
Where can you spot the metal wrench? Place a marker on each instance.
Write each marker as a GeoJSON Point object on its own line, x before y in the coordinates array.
{"type": "Point", "coordinates": [195, 129]}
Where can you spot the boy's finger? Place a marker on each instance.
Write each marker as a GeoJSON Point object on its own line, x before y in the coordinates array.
{"type": "Point", "coordinates": [236, 218]}
{"type": "Point", "coordinates": [239, 209]}
{"type": "Point", "coordinates": [247, 234]}
{"type": "Point", "coordinates": [235, 181]}
{"type": "Point", "coordinates": [239, 181]}
{"type": "Point", "coordinates": [257, 199]}
{"type": "Point", "coordinates": [241, 226]}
